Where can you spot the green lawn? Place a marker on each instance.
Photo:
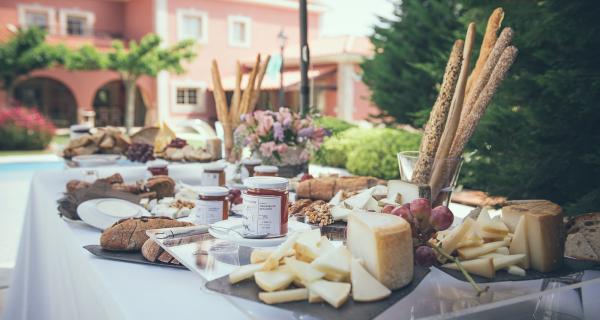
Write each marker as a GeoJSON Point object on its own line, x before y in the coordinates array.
{"type": "Point", "coordinates": [57, 141]}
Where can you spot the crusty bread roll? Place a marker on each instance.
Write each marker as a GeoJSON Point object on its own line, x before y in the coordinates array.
{"type": "Point", "coordinates": [325, 188]}
{"type": "Point", "coordinates": [130, 234]}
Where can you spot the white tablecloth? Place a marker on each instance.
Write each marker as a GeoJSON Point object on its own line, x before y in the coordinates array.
{"type": "Point", "coordinates": [55, 278]}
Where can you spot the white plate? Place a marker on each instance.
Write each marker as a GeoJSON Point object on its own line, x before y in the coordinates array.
{"type": "Point", "coordinates": [236, 224]}
{"type": "Point", "coordinates": [103, 213]}
{"type": "Point", "coordinates": [95, 160]}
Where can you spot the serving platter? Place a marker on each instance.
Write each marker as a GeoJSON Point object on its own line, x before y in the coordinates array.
{"type": "Point", "coordinates": [103, 213]}
{"type": "Point", "coordinates": [127, 256]}
{"type": "Point", "coordinates": [350, 310]}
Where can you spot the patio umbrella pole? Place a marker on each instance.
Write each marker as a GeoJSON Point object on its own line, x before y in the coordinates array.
{"type": "Point", "coordinates": [304, 59]}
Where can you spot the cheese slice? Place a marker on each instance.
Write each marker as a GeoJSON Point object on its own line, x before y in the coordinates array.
{"type": "Point", "coordinates": [384, 243]}
{"type": "Point", "coordinates": [340, 213]}
{"type": "Point", "coordinates": [517, 271]}
{"type": "Point", "coordinates": [306, 246]}
{"type": "Point", "coordinates": [303, 270]}
{"type": "Point", "coordinates": [335, 293]}
{"type": "Point", "coordinates": [272, 261]}
{"type": "Point", "coordinates": [313, 297]}
{"type": "Point", "coordinates": [359, 201]}
{"type": "Point", "coordinates": [451, 241]}
{"type": "Point", "coordinates": [372, 205]}
{"type": "Point", "coordinates": [482, 267]}
{"type": "Point", "coordinates": [335, 261]}
{"type": "Point", "coordinates": [273, 280]}
{"type": "Point", "coordinates": [502, 250]}
{"type": "Point", "coordinates": [519, 243]}
{"type": "Point", "coordinates": [405, 192]}
{"type": "Point", "coordinates": [283, 296]}
{"type": "Point", "coordinates": [474, 252]}
{"type": "Point", "coordinates": [337, 199]}
{"type": "Point", "coordinates": [244, 272]}
{"type": "Point", "coordinates": [364, 286]}
{"type": "Point", "coordinates": [503, 261]}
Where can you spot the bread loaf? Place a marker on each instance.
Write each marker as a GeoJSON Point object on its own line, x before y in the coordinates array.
{"type": "Point", "coordinates": [162, 185]}
{"type": "Point", "coordinates": [583, 240]}
{"type": "Point", "coordinates": [130, 234]}
{"type": "Point", "coordinates": [325, 188]}
{"type": "Point", "coordinates": [153, 252]}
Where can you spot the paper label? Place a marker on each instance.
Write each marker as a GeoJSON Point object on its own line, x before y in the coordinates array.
{"type": "Point", "coordinates": [209, 179]}
{"type": "Point", "coordinates": [208, 212]}
{"type": "Point", "coordinates": [262, 214]}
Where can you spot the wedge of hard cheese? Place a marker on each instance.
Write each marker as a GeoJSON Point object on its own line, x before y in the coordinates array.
{"type": "Point", "coordinates": [544, 231]}
{"type": "Point", "coordinates": [384, 243]}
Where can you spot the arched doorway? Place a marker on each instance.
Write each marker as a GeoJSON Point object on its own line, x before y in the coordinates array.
{"type": "Point", "coordinates": [51, 97]}
{"type": "Point", "coordinates": [109, 105]}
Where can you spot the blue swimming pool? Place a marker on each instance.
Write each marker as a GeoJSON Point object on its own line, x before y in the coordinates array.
{"type": "Point", "coordinates": [31, 166]}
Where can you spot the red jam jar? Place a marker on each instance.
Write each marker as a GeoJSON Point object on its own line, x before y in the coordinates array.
{"type": "Point", "coordinates": [212, 205]}
{"type": "Point", "coordinates": [266, 205]}
{"type": "Point", "coordinates": [158, 167]}
{"type": "Point", "coordinates": [250, 164]}
{"type": "Point", "coordinates": [266, 171]}
{"type": "Point", "coordinates": [213, 175]}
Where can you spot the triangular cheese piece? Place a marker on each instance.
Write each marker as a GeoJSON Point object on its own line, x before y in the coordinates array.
{"type": "Point", "coordinates": [364, 286]}
{"type": "Point", "coordinates": [503, 261]}
{"type": "Point", "coordinates": [481, 267]}
{"type": "Point", "coordinates": [340, 213]}
{"type": "Point", "coordinates": [337, 199]}
{"type": "Point", "coordinates": [519, 243]}
{"type": "Point", "coordinates": [273, 280]}
{"type": "Point", "coordinates": [334, 261]}
{"type": "Point", "coordinates": [335, 293]}
{"type": "Point", "coordinates": [372, 205]}
{"type": "Point", "coordinates": [469, 253]}
{"type": "Point", "coordinates": [359, 201]}
{"type": "Point", "coordinates": [306, 272]}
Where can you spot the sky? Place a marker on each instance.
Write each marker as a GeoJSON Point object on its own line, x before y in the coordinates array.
{"type": "Point", "coordinates": [354, 17]}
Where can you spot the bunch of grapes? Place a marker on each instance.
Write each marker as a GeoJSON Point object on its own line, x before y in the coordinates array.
{"type": "Point", "coordinates": [424, 222]}
{"type": "Point", "coordinates": [234, 196]}
{"type": "Point", "coordinates": [177, 143]}
{"type": "Point", "coordinates": [140, 152]}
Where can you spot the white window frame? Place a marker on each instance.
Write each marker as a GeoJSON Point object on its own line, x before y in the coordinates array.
{"type": "Point", "coordinates": [231, 20]}
{"type": "Point", "coordinates": [193, 13]}
{"type": "Point", "coordinates": [22, 10]}
{"type": "Point", "coordinates": [90, 20]}
{"type": "Point", "coordinates": [189, 108]}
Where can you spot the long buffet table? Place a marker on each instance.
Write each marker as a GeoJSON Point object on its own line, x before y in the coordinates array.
{"type": "Point", "coordinates": [55, 278]}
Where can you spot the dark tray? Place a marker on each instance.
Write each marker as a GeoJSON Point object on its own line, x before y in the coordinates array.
{"type": "Point", "coordinates": [349, 311]}
{"type": "Point", "coordinates": [127, 256]}
{"type": "Point", "coordinates": [569, 267]}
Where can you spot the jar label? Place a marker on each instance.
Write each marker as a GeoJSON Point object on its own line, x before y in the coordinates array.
{"type": "Point", "coordinates": [209, 179]}
{"type": "Point", "coordinates": [208, 212]}
{"type": "Point", "coordinates": [262, 214]}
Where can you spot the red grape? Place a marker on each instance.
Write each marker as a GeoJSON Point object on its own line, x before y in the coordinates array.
{"type": "Point", "coordinates": [235, 192]}
{"type": "Point", "coordinates": [421, 211]}
{"type": "Point", "coordinates": [388, 208]}
{"type": "Point", "coordinates": [441, 218]}
{"type": "Point", "coordinates": [141, 152]}
{"type": "Point", "coordinates": [424, 256]}
{"type": "Point", "coordinates": [177, 143]}
{"type": "Point", "coordinates": [404, 212]}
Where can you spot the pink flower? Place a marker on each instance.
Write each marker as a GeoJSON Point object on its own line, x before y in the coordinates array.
{"type": "Point", "coordinates": [282, 148]}
{"type": "Point", "coordinates": [267, 148]}
{"type": "Point", "coordinates": [264, 125]}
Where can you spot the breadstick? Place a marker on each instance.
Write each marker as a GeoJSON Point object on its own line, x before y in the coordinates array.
{"type": "Point", "coordinates": [247, 95]}
{"type": "Point", "coordinates": [441, 155]}
{"type": "Point", "coordinates": [437, 118]}
{"type": "Point", "coordinates": [219, 94]}
{"type": "Point", "coordinates": [503, 42]}
{"type": "Point", "coordinates": [235, 99]}
{"type": "Point", "coordinates": [261, 74]}
{"type": "Point", "coordinates": [489, 40]}
{"type": "Point", "coordinates": [467, 128]}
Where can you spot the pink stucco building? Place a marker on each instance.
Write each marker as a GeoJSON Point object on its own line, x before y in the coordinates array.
{"type": "Point", "coordinates": [226, 30]}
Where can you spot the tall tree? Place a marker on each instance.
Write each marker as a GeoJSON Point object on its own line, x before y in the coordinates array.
{"type": "Point", "coordinates": [411, 51]}
{"type": "Point", "coordinates": [23, 53]}
{"type": "Point", "coordinates": [147, 57]}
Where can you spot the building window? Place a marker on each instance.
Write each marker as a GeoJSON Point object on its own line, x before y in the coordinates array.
{"type": "Point", "coordinates": [75, 22]}
{"type": "Point", "coordinates": [192, 24]}
{"type": "Point", "coordinates": [189, 96]}
{"type": "Point", "coordinates": [36, 16]}
{"type": "Point", "coordinates": [239, 31]}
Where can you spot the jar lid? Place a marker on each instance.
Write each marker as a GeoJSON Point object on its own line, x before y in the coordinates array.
{"type": "Point", "coordinates": [251, 161]}
{"type": "Point", "coordinates": [212, 191]}
{"type": "Point", "coordinates": [266, 182]}
{"type": "Point", "coordinates": [158, 163]}
{"type": "Point", "coordinates": [80, 127]}
{"type": "Point", "coordinates": [266, 169]}
{"type": "Point", "coordinates": [218, 166]}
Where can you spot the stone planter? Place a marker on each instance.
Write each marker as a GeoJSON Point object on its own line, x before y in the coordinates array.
{"type": "Point", "coordinates": [291, 163]}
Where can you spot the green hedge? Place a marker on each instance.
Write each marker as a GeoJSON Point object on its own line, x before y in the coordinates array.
{"type": "Point", "coordinates": [335, 125]}
{"type": "Point", "coordinates": [369, 152]}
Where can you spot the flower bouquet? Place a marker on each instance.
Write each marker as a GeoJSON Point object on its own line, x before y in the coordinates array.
{"type": "Point", "coordinates": [280, 138]}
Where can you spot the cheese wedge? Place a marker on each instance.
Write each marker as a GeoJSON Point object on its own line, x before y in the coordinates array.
{"type": "Point", "coordinates": [307, 245]}
{"type": "Point", "coordinates": [517, 271]}
{"type": "Point", "coordinates": [545, 239]}
{"type": "Point", "coordinates": [364, 286]}
{"type": "Point", "coordinates": [337, 198]}
{"type": "Point", "coordinates": [340, 213]}
{"type": "Point", "coordinates": [451, 241]}
{"type": "Point", "coordinates": [519, 243]}
{"type": "Point", "coordinates": [495, 226]}
{"type": "Point", "coordinates": [244, 272]}
{"type": "Point", "coordinates": [273, 280]}
{"type": "Point", "coordinates": [332, 276]}
{"type": "Point", "coordinates": [482, 267]}
{"type": "Point", "coordinates": [304, 271]}
{"type": "Point", "coordinates": [405, 192]}
{"type": "Point", "coordinates": [372, 205]}
{"type": "Point", "coordinates": [259, 255]}
{"type": "Point", "coordinates": [335, 293]}
{"type": "Point", "coordinates": [334, 261]}
{"type": "Point", "coordinates": [283, 296]}
{"type": "Point", "coordinates": [503, 261]}
{"type": "Point", "coordinates": [384, 243]}
{"type": "Point", "coordinates": [313, 297]}
{"type": "Point", "coordinates": [360, 200]}
{"type": "Point", "coordinates": [272, 261]}
{"type": "Point", "coordinates": [474, 252]}
{"type": "Point", "coordinates": [502, 250]}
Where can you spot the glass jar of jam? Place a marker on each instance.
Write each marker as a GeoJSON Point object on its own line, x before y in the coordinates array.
{"type": "Point", "coordinates": [250, 164]}
{"type": "Point", "coordinates": [158, 167]}
{"type": "Point", "coordinates": [266, 205]}
{"type": "Point", "coordinates": [212, 205]}
{"type": "Point", "coordinates": [213, 175]}
{"type": "Point", "coordinates": [266, 171]}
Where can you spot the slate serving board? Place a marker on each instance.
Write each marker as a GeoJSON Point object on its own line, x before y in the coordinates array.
{"type": "Point", "coordinates": [349, 311]}
{"type": "Point", "coordinates": [127, 256]}
{"type": "Point", "coordinates": [569, 267]}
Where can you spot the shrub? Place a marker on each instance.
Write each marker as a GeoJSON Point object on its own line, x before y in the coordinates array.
{"type": "Point", "coordinates": [376, 156]}
{"type": "Point", "coordinates": [334, 125]}
{"type": "Point", "coordinates": [24, 129]}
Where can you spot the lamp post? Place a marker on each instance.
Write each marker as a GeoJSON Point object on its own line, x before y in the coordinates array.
{"type": "Point", "coordinates": [304, 58]}
{"type": "Point", "coordinates": [282, 38]}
